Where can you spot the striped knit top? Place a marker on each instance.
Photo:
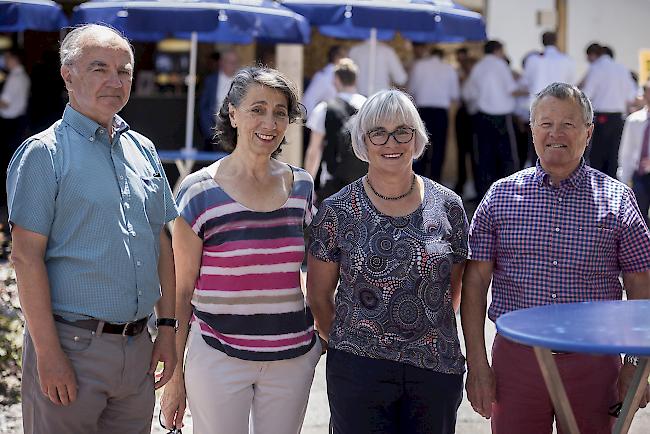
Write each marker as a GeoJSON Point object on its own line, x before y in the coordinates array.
{"type": "Point", "coordinates": [247, 298]}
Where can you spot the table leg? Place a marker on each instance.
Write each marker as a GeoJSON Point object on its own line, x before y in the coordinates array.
{"type": "Point", "coordinates": [563, 412]}
{"type": "Point", "coordinates": [633, 396]}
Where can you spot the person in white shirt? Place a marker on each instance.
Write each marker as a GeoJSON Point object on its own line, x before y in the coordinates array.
{"type": "Point", "coordinates": [321, 87]}
{"type": "Point", "coordinates": [434, 86]}
{"type": "Point", "coordinates": [634, 154]}
{"type": "Point", "coordinates": [610, 88]}
{"type": "Point", "coordinates": [387, 68]}
{"type": "Point", "coordinates": [548, 67]}
{"type": "Point", "coordinates": [491, 89]}
{"type": "Point", "coordinates": [13, 110]}
{"type": "Point", "coordinates": [215, 87]}
{"type": "Point", "coordinates": [326, 153]}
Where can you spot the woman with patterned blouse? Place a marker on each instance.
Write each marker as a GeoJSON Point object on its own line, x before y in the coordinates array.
{"type": "Point", "coordinates": [239, 245]}
{"type": "Point", "coordinates": [398, 244]}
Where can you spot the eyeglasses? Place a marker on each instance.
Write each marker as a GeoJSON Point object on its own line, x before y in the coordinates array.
{"type": "Point", "coordinates": [401, 135]}
{"type": "Point", "coordinates": [172, 430]}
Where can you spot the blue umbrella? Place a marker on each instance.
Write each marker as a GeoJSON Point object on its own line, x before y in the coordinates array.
{"type": "Point", "coordinates": [417, 20]}
{"type": "Point", "coordinates": [420, 20]}
{"type": "Point", "coordinates": [18, 16]}
{"type": "Point", "coordinates": [226, 21]}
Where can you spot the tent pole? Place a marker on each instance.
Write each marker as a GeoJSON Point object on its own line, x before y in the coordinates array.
{"type": "Point", "coordinates": [191, 92]}
{"type": "Point", "coordinates": [373, 61]}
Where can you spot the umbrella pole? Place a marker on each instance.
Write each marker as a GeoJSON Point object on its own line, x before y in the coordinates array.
{"type": "Point", "coordinates": [373, 61]}
{"type": "Point", "coordinates": [191, 91]}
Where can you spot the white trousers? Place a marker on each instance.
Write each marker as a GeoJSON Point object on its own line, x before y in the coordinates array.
{"type": "Point", "coordinates": [226, 395]}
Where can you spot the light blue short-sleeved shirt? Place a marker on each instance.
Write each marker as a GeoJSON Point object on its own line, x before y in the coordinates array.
{"type": "Point", "coordinates": [102, 204]}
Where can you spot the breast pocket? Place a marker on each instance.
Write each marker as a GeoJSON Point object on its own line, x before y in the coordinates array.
{"type": "Point", "coordinates": [154, 198]}
{"type": "Point", "coordinates": [595, 250]}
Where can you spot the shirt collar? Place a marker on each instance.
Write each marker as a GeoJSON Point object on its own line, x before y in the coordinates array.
{"type": "Point", "coordinates": [543, 178]}
{"type": "Point", "coordinates": [87, 127]}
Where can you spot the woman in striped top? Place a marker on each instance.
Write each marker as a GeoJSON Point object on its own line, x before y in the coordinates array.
{"type": "Point", "coordinates": [251, 346]}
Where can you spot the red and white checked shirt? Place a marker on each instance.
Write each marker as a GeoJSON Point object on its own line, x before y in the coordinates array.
{"type": "Point", "coordinates": [558, 244]}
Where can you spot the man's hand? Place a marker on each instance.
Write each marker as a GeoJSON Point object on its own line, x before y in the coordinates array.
{"type": "Point", "coordinates": [164, 350]}
{"type": "Point", "coordinates": [57, 378]}
{"type": "Point", "coordinates": [481, 389]}
{"type": "Point", "coordinates": [624, 380]}
{"type": "Point", "coordinates": [172, 404]}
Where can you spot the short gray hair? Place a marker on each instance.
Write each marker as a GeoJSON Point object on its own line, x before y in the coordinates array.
{"type": "Point", "coordinates": [565, 91]}
{"type": "Point", "coordinates": [74, 42]}
{"type": "Point", "coordinates": [390, 105]}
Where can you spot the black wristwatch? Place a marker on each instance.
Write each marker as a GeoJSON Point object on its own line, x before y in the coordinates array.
{"type": "Point", "coordinates": [167, 322]}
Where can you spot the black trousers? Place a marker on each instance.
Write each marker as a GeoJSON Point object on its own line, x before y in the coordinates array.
{"type": "Point", "coordinates": [436, 120]}
{"type": "Point", "coordinates": [381, 396]}
{"type": "Point", "coordinates": [602, 154]}
{"type": "Point", "coordinates": [641, 188]}
{"type": "Point", "coordinates": [465, 146]}
{"type": "Point", "coordinates": [496, 149]}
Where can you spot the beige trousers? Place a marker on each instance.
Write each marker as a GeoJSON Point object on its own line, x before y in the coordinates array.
{"type": "Point", "coordinates": [227, 395]}
{"type": "Point", "coordinates": [115, 393]}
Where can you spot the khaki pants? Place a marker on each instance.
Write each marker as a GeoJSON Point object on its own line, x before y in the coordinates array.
{"type": "Point", "coordinates": [225, 393]}
{"type": "Point", "coordinates": [115, 393]}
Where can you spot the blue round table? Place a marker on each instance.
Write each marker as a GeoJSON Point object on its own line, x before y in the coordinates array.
{"type": "Point", "coordinates": [602, 327]}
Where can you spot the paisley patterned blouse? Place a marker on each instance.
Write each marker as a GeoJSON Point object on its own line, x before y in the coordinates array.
{"type": "Point", "coordinates": [394, 297]}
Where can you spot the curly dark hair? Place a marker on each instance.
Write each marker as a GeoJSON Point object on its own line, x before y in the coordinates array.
{"type": "Point", "coordinates": [243, 80]}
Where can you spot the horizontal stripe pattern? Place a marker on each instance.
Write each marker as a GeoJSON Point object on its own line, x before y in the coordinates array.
{"type": "Point", "coordinates": [248, 299]}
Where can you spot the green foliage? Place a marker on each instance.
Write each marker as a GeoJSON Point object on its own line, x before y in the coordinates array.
{"type": "Point", "coordinates": [11, 330]}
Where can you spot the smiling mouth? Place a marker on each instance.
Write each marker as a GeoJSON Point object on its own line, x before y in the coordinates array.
{"type": "Point", "coordinates": [265, 137]}
{"type": "Point", "coordinates": [392, 156]}
{"type": "Point", "coordinates": [556, 146]}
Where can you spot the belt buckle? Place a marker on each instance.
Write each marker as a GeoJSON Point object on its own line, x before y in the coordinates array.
{"type": "Point", "coordinates": [126, 328]}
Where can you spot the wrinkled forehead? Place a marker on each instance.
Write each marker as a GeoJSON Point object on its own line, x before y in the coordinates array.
{"type": "Point", "coordinates": [551, 105]}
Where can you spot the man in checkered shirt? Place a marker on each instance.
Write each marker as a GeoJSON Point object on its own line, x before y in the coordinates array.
{"type": "Point", "coordinates": [559, 232]}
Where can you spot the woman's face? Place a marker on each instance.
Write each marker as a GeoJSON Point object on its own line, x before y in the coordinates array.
{"type": "Point", "coordinates": [261, 119]}
{"type": "Point", "coordinates": [396, 152]}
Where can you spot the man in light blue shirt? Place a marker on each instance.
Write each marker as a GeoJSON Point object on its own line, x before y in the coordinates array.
{"type": "Point", "coordinates": [88, 200]}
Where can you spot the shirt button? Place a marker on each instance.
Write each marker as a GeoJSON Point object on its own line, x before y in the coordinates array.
{"type": "Point", "coordinates": [139, 292]}
{"type": "Point", "coordinates": [133, 234]}
{"type": "Point", "coordinates": [553, 295]}
{"type": "Point", "coordinates": [557, 229]}
{"type": "Point", "coordinates": [92, 139]}
{"type": "Point", "coordinates": [121, 177]}
{"type": "Point", "coordinates": [559, 199]}
{"type": "Point", "coordinates": [138, 263]}
{"type": "Point", "coordinates": [555, 263]}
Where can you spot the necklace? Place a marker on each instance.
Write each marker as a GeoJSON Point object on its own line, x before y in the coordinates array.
{"type": "Point", "coordinates": [401, 196]}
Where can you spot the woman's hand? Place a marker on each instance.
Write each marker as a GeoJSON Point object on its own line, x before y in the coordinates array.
{"type": "Point", "coordinates": [173, 403]}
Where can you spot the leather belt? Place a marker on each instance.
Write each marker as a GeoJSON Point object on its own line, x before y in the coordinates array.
{"type": "Point", "coordinates": [133, 328]}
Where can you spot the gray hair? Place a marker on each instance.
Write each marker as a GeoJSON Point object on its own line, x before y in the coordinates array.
{"type": "Point", "coordinates": [390, 105]}
{"type": "Point", "coordinates": [565, 91]}
{"type": "Point", "coordinates": [75, 41]}
{"type": "Point", "coordinates": [241, 83]}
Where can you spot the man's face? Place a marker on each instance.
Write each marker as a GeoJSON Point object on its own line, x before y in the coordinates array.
{"type": "Point", "coordinates": [560, 134]}
{"type": "Point", "coordinates": [99, 81]}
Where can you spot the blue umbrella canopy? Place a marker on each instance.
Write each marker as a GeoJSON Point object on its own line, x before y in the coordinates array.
{"type": "Point", "coordinates": [417, 20]}
{"type": "Point", "coordinates": [21, 15]}
{"type": "Point", "coordinates": [230, 21]}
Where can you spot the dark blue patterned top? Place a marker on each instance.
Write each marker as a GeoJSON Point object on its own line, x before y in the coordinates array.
{"type": "Point", "coordinates": [394, 297]}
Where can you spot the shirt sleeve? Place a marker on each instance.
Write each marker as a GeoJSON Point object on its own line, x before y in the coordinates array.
{"type": "Point", "coordinates": [634, 246]}
{"type": "Point", "coordinates": [482, 232]}
{"type": "Point", "coordinates": [32, 187]}
{"type": "Point", "coordinates": [323, 239]}
{"type": "Point", "coordinates": [171, 211]}
{"type": "Point", "coordinates": [191, 204]}
{"type": "Point", "coordinates": [316, 121]}
{"type": "Point", "coordinates": [310, 208]}
{"type": "Point", "coordinates": [460, 228]}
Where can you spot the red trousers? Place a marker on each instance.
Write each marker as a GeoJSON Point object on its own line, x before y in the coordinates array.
{"type": "Point", "coordinates": [523, 404]}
